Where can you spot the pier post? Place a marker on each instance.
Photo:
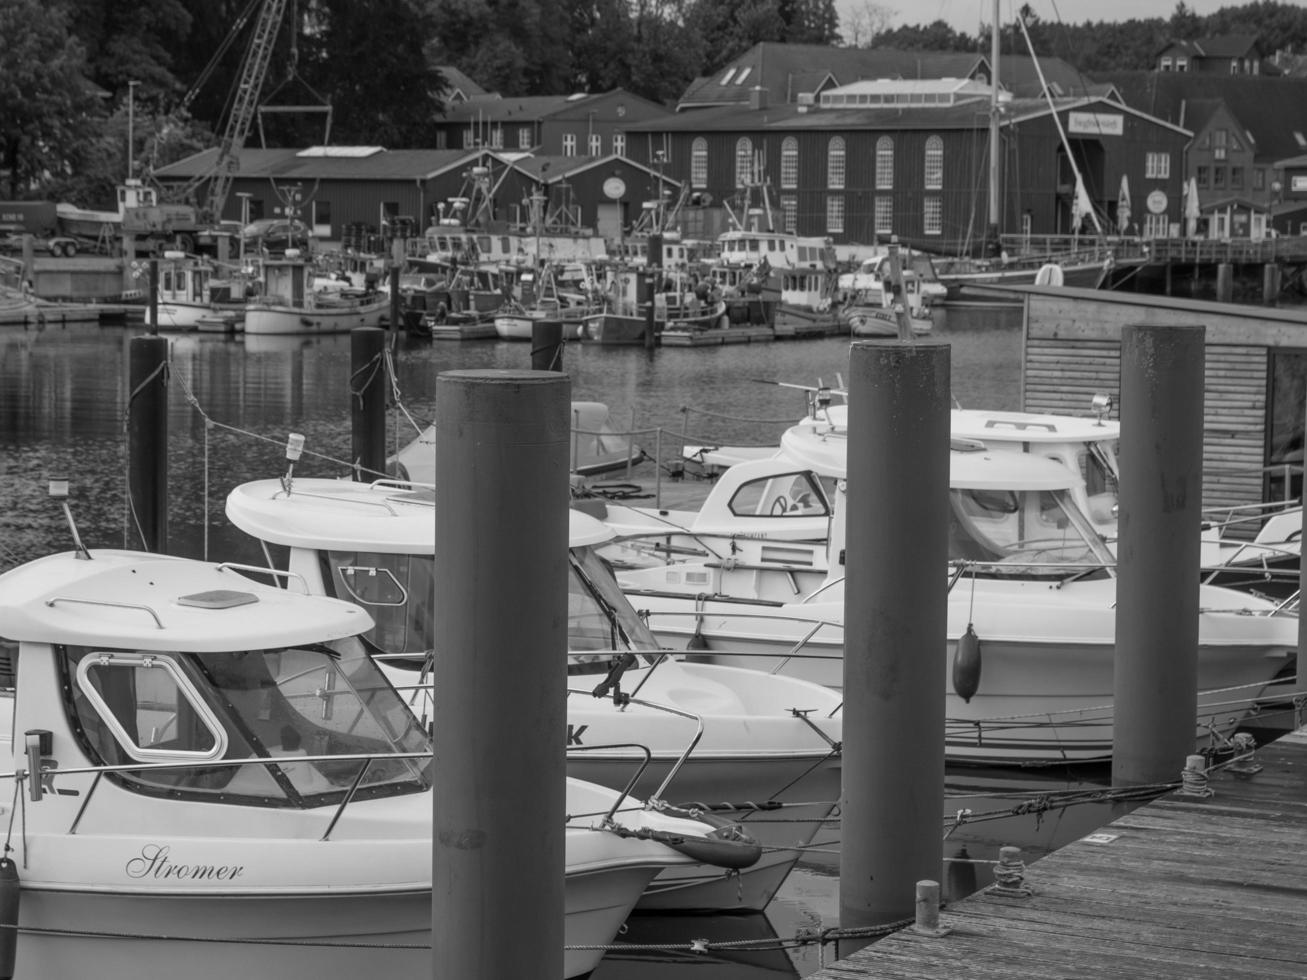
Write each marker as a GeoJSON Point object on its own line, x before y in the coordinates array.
{"type": "Point", "coordinates": [1155, 679]}
{"type": "Point", "coordinates": [152, 300]}
{"type": "Point", "coordinates": [895, 637]}
{"type": "Point", "coordinates": [395, 322]}
{"type": "Point", "coordinates": [547, 345]}
{"type": "Point", "coordinates": [1224, 282]}
{"type": "Point", "coordinates": [649, 291]}
{"type": "Point", "coordinates": [500, 691]}
{"type": "Point", "coordinates": [1270, 283]}
{"type": "Point", "coordinates": [147, 441]}
{"type": "Point", "coordinates": [367, 402]}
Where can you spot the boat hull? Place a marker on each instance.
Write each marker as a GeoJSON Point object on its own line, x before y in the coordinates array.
{"type": "Point", "coordinates": [613, 329]}
{"type": "Point", "coordinates": [116, 936]}
{"type": "Point", "coordinates": [1044, 695]}
{"type": "Point", "coordinates": [263, 318]}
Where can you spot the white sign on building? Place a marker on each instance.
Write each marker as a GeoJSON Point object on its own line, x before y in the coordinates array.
{"type": "Point", "coordinates": [1096, 123]}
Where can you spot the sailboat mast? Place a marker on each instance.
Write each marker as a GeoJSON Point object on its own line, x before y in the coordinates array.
{"type": "Point", "coordinates": [994, 158]}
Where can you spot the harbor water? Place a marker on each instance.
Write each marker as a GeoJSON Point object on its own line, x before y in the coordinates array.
{"type": "Point", "coordinates": [233, 401]}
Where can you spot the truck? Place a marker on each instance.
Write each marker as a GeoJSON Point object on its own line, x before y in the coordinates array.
{"type": "Point", "coordinates": [39, 219]}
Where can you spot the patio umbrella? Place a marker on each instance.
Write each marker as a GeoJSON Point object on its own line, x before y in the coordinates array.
{"type": "Point", "coordinates": [1123, 205]}
{"type": "Point", "coordinates": [1191, 209]}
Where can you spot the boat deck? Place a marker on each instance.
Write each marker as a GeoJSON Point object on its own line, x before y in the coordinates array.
{"type": "Point", "coordinates": [1183, 887]}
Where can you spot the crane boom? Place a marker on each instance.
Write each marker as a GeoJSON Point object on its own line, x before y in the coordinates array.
{"type": "Point", "coordinates": [245, 103]}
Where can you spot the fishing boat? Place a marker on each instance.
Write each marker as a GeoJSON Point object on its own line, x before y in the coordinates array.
{"type": "Point", "coordinates": [759, 750]}
{"type": "Point", "coordinates": [287, 302]}
{"type": "Point", "coordinates": [226, 785]}
{"type": "Point", "coordinates": [872, 302]}
{"type": "Point", "coordinates": [1029, 575]}
{"type": "Point", "coordinates": [200, 294]}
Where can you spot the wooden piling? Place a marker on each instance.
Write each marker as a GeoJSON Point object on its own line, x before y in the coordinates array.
{"type": "Point", "coordinates": [395, 322]}
{"type": "Point", "coordinates": [1270, 283]}
{"type": "Point", "coordinates": [1224, 282]}
{"type": "Point", "coordinates": [895, 629]}
{"type": "Point", "coordinates": [547, 345]}
{"type": "Point", "coordinates": [500, 691]}
{"type": "Point", "coordinates": [1155, 680]}
{"type": "Point", "coordinates": [367, 403]}
{"type": "Point", "coordinates": [152, 300]}
{"type": "Point", "coordinates": [147, 440]}
{"type": "Point", "coordinates": [649, 292]}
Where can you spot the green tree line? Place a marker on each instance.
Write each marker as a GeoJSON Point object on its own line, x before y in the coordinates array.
{"type": "Point", "coordinates": [77, 75]}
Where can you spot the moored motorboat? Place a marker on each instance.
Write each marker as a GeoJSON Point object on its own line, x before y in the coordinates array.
{"type": "Point", "coordinates": [1041, 599]}
{"type": "Point", "coordinates": [288, 304]}
{"type": "Point", "coordinates": [757, 749]}
{"type": "Point", "coordinates": [228, 786]}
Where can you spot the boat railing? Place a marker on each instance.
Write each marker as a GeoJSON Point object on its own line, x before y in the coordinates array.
{"type": "Point", "coordinates": [42, 781]}
{"type": "Point", "coordinates": [660, 792]}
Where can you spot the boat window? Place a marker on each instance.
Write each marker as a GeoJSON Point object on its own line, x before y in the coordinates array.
{"type": "Point", "coordinates": [1027, 533]}
{"type": "Point", "coordinates": [149, 707]}
{"type": "Point", "coordinates": [247, 706]}
{"type": "Point", "coordinates": [397, 590]}
{"type": "Point", "coordinates": [788, 495]}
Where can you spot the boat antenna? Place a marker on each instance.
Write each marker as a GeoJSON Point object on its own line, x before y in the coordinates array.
{"type": "Point", "coordinates": [294, 450]}
{"type": "Point", "coordinates": [59, 492]}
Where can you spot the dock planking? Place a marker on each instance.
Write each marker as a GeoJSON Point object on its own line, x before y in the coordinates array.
{"type": "Point", "coordinates": [1185, 887]}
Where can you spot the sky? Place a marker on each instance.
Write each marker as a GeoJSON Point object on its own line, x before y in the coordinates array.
{"type": "Point", "coordinates": [966, 15]}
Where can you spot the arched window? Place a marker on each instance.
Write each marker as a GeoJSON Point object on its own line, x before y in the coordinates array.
{"type": "Point", "coordinates": [699, 162]}
{"type": "Point", "coordinates": [884, 164]}
{"type": "Point", "coordinates": [743, 162]}
{"type": "Point", "coordinates": [934, 164]}
{"type": "Point", "coordinates": [835, 163]}
{"type": "Point", "coordinates": [789, 162]}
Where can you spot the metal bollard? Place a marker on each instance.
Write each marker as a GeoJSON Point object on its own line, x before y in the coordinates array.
{"type": "Point", "coordinates": [927, 913]}
{"type": "Point", "coordinates": [1010, 875]}
{"type": "Point", "coordinates": [1244, 762]}
{"type": "Point", "coordinates": [1193, 780]}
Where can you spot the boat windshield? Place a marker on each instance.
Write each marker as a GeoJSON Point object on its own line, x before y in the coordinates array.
{"type": "Point", "coordinates": [399, 592]}
{"type": "Point", "coordinates": [1098, 465]}
{"type": "Point", "coordinates": [1027, 533]}
{"type": "Point", "coordinates": [190, 711]}
{"type": "Point", "coordinates": [600, 619]}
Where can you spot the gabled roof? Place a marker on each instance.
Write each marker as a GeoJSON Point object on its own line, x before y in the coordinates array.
{"type": "Point", "coordinates": [1270, 108]}
{"type": "Point", "coordinates": [1018, 74]}
{"type": "Point", "coordinates": [290, 164]}
{"type": "Point", "coordinates": [1199, 112]}
{"type": "Point", "coordinates": [788, 70]}
{"type": "Point", "coordinates": [494, 108]}
{"type": "Point", "coordinates": [966, 114]}
{"type": "Point", "coordinates": [1224, 46]}
{"type": "Point", "coordinates": [553, 169]}
{"type": "Point", "coordinates": [460, 85]}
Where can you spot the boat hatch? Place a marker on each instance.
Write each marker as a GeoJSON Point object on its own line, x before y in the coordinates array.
{"type": "Point", "coordinates": [218, 599]}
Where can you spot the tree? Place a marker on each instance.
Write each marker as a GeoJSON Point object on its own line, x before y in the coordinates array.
{"type": "Point", "coordinates": [1185, 25]}
{"type": "Point", "coordinates": [517, 47]}
{"type": "Point", "coordinates": [367, 62]}
{"type": "Point", "coordinates": [865, 23]}
{"type": "Point", "coordinates": [937, 36]}
{"type": "Point", "coordinates": [50, 109]}
{"type": "Point", "coordinates": [128, 40]}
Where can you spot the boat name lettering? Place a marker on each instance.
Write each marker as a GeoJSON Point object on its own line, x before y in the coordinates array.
{"type": "Point", "coordinates": [154, 862]}
{"type": "Point", "coordinates": [574, 733]}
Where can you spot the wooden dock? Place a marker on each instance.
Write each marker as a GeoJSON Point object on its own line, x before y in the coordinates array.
{"type": "Point", "coordinates": [1183, 887]}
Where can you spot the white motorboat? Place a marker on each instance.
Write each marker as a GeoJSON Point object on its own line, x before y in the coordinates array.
{"type": "Point", "coordinates": [769, 739]}
{"type": "Point", "coordinates": [288, 304]}
{"type": "Point", "coordinates": [228, 786]}
{"type": "Point", "coordinates": [1028, 570]}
